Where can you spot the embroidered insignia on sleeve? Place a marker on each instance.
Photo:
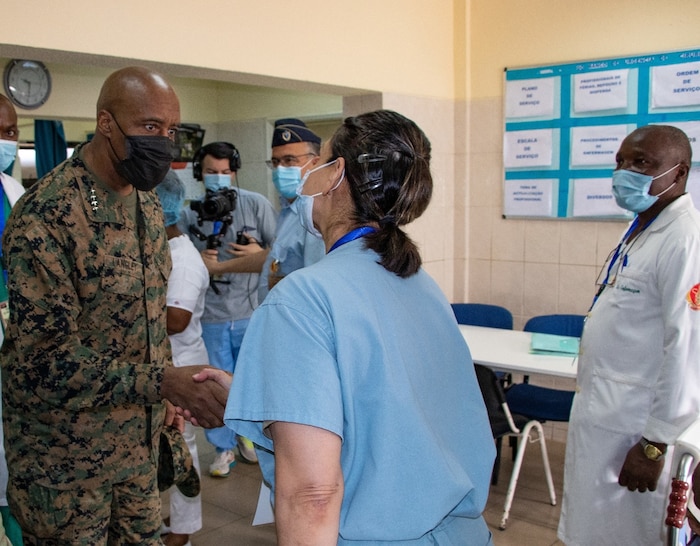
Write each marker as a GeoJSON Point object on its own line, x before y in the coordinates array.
{"type": "Point", "coordinates": [693, 297]}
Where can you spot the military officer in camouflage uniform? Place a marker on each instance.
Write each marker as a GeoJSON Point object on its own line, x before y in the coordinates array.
{"type": "Point", "coordinates": [86, 364]}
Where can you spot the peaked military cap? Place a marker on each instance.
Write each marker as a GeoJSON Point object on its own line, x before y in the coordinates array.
{"type": "Point", "coordinates": [290, 130]}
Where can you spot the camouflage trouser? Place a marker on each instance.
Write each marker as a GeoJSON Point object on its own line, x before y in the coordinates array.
{"type": "Point", "coordinates": [114, 515]}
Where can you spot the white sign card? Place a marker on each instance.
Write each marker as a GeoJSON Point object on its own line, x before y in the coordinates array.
{"type": "Point", "coordinates": [600, 91]}
{"type": "Point", "coordinates": [530, 197]}
{"type": "Point", "coordinates": [596, 146]}
{"type": "Point", "coordinates": [530, 98]}
{"type": "Point", "coordinates": [528, 148]}
{"type": "Point", "coordinates": [675, 85]}
{"type": "Point", "coordinates": [692, 129]}
{"type": "Point", "coordinates": [594, 197]}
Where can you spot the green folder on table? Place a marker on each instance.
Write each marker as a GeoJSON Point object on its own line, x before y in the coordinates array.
{"type": "Point", "coordinates": [549, 344]}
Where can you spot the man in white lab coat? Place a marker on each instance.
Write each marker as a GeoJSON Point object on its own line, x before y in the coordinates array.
{"type": "Point", "coordinates": [10, 191]}
{"type": "Point", "coordinates": [639, 370]}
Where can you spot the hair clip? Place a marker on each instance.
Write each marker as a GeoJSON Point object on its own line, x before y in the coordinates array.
{"type": "Point", "coordinates": [374, 176]}
{"type": "Point", "coordinates": [370, 158]}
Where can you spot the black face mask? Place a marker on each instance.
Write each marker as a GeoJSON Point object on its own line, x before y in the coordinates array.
{"type": "Point", "coordinates": [147, 160]}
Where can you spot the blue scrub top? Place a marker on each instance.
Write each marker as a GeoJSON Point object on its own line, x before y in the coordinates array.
{"type": "Point", "coordinates": [349, 347]}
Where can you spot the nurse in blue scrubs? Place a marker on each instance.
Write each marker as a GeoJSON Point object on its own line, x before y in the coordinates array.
{"type": "Point", "coordinates": [353, 380]}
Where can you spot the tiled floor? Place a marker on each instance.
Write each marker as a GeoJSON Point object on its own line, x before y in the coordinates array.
{"type": "Point", "coordinates": [229, 503]}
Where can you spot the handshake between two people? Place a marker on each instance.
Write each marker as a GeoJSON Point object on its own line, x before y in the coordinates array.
{"type": "Point", "coordinates": [198, 394]}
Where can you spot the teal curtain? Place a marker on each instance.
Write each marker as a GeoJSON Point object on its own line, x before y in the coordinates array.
{"type": "Point", "coordinates": [49, 145]}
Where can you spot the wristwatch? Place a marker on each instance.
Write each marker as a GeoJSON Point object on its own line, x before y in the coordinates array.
{"type": "Point", "coordinates": [652, 452]}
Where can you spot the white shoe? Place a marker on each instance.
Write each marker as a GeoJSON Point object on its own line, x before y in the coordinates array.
{"type": "Point", "coordinates": [222, 465]}
{"type": "Point", "coordinates": [246, 450]}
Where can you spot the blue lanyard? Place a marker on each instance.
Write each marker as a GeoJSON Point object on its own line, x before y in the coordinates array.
{"type": "Point", "coordinates": [3, 219]}
{"type": "Point", "coordinates": [616, 254]}
{"type": "Point", "coordinates": [2, 213]}
{"type": "Point", "coordinates": [352, 235]}
{"type": "Point", "coordinates": [623, 258]}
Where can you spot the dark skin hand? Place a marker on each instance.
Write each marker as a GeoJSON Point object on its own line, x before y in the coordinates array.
{"type": "Point", "coordinates": [640, 473]}
{"type": "Point", "coordinates": [204, 401]}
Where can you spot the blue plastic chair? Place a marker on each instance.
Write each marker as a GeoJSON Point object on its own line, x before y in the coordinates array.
{"type": "Point", "coordinates": [560, 325]}
{"type": "Point", "coordinates": [543, 403]}
{"type": "Point", "coordinates": [483, 314]}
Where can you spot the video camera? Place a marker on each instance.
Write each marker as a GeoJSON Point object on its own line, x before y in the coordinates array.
{"type": "Point", "coordinates": [216, 205]}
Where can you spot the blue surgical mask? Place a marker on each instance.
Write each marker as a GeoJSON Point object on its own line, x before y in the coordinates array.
{"type": "Point", "coordinates": [631, 189]}
{"type": "Point", "coordinates": [8, 151]}
{"type": "Point", "coordinates": [304, 204]}
{"type": "Point", "coordinates": [286, 180]}
{"type": "Point", "coordinates": [216, 182]}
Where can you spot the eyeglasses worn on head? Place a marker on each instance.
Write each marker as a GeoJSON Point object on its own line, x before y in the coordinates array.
{"type": "Point", "coordinates": [286, 161]}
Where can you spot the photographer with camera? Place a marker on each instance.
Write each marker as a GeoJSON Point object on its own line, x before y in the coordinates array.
{"type": "Point", "coordinates": [233, 229]}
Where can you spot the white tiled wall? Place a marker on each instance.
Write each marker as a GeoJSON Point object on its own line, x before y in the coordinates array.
{"type": "Point", "coordinates": [531, 267]}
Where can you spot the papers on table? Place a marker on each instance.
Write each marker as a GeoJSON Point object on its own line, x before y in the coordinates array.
{"type": "Point", "coordinates": [554, 345]}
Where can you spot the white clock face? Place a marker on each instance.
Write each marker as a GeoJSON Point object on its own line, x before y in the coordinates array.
{"type": "Point", "coordinates": [27, 83]}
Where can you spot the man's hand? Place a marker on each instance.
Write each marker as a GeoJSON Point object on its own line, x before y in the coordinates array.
{"type": "Point", "coordinates": [210, 257]}
{"type": "Point", "coordinates": [638, 472]}
{"type": "Point", "coordinates": [248, 258]}
{"type": "Point", "coordinates": [239, 251]}
{"type": "Point", "coordinates": [204, 401]}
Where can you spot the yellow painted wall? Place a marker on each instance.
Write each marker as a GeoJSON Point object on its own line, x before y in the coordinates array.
{"type": "Point", "coordinates": [388, 45]}
{"type": "Point", "coordinates": [523, 33]}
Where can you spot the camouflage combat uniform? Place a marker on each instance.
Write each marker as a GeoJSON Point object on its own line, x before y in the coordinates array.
{"type": "Point", "coordinates": [84, 359]}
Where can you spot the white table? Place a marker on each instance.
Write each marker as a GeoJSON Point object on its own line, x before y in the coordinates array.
{"type": "Point", "coordinates": [509, 351]}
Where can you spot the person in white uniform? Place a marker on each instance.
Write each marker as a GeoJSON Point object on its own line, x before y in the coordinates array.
{"type": "Point", "coordinates": [234, 266]}
{"type": "Point", "coordinates": [353, 377]}
{"type": "Point", "coordinates": [11, 190]}
{"type": "Point", "coordinates": [639, 368]}
{"type": "Point", "coordinates": [187, 288]}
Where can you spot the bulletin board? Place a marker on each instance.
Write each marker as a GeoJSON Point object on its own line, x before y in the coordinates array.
{"type": "Point", "coordinates": [564, 125]}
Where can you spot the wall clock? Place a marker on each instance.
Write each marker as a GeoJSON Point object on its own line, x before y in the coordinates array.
{"type": "Point", "coordinates": [27, 83]}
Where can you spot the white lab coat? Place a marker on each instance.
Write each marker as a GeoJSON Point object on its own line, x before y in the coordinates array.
{"type": "Point", "coordinates": [638, 375]}
{"type": "Point", "coordinates": [12, 188]}
{"type": "Point", "coordinates": [14, 191]}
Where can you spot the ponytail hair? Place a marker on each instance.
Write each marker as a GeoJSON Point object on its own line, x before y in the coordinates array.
{"type": "Point", "coordinates": [387, 166]}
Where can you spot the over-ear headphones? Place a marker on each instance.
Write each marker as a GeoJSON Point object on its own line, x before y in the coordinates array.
{"type": "Point", "coordinates": [219, 150]}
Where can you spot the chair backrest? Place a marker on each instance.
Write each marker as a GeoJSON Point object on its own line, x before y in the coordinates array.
{"type": "Point", "coordinates": [483, 314]}
{"type": "Point", "coordinates": [495, 401]}
{"type": "Point", "coordinates": [561, 325]}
